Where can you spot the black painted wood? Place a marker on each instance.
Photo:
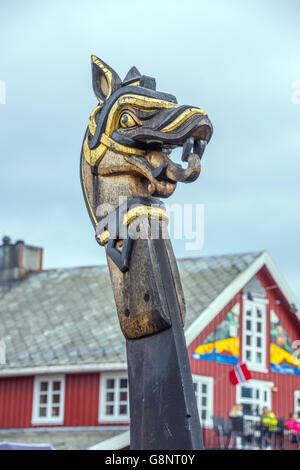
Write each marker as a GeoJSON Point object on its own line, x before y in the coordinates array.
{"type": "Point", "coordinates": [163, 406]}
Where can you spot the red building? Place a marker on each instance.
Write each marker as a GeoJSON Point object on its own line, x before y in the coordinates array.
{"type": "Point", "coordinates": [63, 375]}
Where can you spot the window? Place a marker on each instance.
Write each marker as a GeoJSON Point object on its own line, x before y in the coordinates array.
{"type": "Point", "coordinates": [254, 335]}
{"type": "Point", "coordinates": [48, 400]}
{"type": "Point", "coordinates": [297, 402]}
{"type": "Point", "coordinates": [114, 399]}
{"type": "Point", "coordinates": [254, 395]}
{"type": "Point", "coordinates": [204, 391]}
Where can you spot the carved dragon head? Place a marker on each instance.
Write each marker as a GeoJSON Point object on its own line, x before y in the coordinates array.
{"type": "Point", "coordinates": [130, 136]}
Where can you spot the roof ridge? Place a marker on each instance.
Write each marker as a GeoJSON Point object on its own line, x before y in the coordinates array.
{"type": "Point", "coordinates": [72, 267]}
{"type": "Point", "coordinates": [254, 253]}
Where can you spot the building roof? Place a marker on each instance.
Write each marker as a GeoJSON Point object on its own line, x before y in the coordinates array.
{"type": "Point", "coordinates": [59, 319]}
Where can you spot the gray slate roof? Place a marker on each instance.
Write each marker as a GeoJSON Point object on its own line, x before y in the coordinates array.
{"type": "Point", "coordinates": [67, 316]}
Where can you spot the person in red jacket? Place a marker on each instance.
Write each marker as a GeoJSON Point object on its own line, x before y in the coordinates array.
{"type": "Point", "coordinates": [293, 426]}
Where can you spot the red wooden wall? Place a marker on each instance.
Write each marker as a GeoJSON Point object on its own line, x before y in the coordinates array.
{"type": "Point", "coordinates": [16, 402]}
{"type": "Point", "coordinates": [81, 401]}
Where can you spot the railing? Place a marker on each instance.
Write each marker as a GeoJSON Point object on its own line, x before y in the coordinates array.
{"type": "Point", "coordinates": [247, 433]}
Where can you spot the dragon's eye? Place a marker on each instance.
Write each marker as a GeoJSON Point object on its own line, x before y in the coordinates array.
{"type": "Point", "coordinates": [127, 121]}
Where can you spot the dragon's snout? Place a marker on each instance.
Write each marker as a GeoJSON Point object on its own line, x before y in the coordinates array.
{"type": "Point", "coordinates": [184, 127]}
{"type": "Point", "coordinates": [172, 127]}
{"type": "Point", "coordinates": [160, 131]}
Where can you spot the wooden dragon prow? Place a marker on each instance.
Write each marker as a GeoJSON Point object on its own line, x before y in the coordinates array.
{"type": "Point", "coordinates": [125, 169]}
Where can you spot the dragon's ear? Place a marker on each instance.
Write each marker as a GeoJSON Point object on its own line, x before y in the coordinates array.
{"type": "Point", "coordinates": [133, 75]}
{"type": "Point", "coordinates": [105, 80]}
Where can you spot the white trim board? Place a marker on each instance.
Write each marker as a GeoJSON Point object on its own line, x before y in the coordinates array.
{"type": "Point", "coordinates": [117, 366]}
{"type": "Point", "coordinates": [233, 288]}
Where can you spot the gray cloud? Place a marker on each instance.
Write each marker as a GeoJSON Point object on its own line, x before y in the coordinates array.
{"type": "Point", "coordinates": [235, 59]}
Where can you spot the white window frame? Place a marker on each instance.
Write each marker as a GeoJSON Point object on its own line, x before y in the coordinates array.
{"type": "Point", "coordinates": [36, 419]}
{"type": "Point", "coordinates": [262, 305]}
{"type": "Point", "coordinates": [115, 418]}
{"type": "Point", "coordinates": [263, 386]}
{"type": "Point", "coordinates": [296, 398]}
{"type": "Point", "coordinates": [209, 382]}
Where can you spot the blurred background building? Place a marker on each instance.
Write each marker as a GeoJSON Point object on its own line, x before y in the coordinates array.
{"type": "Point", "coordinates": [64, 380]}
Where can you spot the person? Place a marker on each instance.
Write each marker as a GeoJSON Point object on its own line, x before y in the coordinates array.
{"type": "Point", "coordinates": [293, 426]}
{"type": "Point", "coordinates": [237, 426]}
{"type": "Point", "coordinates": [269, 426]}
{"type": "Point", "coordinates": [236, 410]}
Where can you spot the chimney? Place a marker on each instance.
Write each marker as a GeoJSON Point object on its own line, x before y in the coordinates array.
{"type": "Point", "coordinates": [18, 259]}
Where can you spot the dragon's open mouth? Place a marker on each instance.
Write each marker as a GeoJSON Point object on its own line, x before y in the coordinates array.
{"type": "Point", "coordinates": [184, 127]}
{"type": "Point", "coordinates": [145, 133]}
{"type": "Point", "coordinates": [161, 171]}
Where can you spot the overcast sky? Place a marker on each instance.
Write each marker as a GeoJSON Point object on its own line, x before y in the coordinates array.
{"type": "Point", "coordinates": [236, 59]}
